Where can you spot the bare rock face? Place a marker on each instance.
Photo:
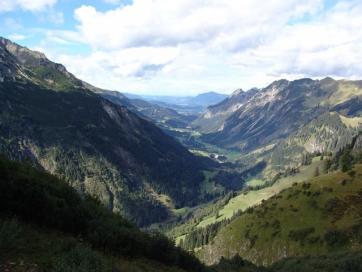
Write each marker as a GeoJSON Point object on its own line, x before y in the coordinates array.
{"type": "Point", "coordinates": [7, 64]}
{"type": "Point", "coordinates": [23, 54]}
{"type": "Point", "coordinates": [358, 143]}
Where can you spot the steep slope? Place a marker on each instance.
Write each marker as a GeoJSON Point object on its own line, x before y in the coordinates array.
{"type": "Point", "coordinates": [351, 107]}
{"type": "Point", "coordinates": [215, 115]}
{"type": "Point", "coordinates": [328, 133]}
{"type": "Point", "coordinates": [35, 235]}
{"type": "Point", "coordinates": [46, 226]}
{"type": "Point", "coordinates": [278, 110]}
{"type": "Point", "coordinates": [313, 218]}
{"type": "Point", "coordinates": [162, 116]}
{"type": "Point", "coordinates": [57, 121]}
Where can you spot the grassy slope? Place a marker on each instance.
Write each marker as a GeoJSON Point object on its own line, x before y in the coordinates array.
{"type": "Point", "coordinates": [246, 200]}
{"type": "Point", "coordinates": [340, 262]}
{"type": "Point", "coordinates": [204, 215]}
{"type": "Point", "coordinates": [325, 217]}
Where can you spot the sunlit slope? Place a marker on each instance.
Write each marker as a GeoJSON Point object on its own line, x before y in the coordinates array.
{"type": "Point", "coordinates": [254, 197]}
{"type": "Point", "coordinates": [317, 217]}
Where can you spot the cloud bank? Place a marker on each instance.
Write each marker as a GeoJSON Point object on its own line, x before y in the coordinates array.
{"type": "Point", "coordinates": [189, 46]}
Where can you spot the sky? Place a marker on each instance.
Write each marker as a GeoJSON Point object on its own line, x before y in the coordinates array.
{"type": "Point", "coordinates": [186, 47]}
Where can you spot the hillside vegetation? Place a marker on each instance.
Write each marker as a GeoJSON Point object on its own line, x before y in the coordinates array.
{"type": "Point", "coordinates": [57, 121]}
{"type": "Point", "coordinates": [44, 222]}
{"type": "Point", "coordinates": [316, 217]}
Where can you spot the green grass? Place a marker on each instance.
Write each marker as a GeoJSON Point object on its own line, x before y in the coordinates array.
{"type": "Point", "coordinates": [314, 218]}
{"type": "Point", "coordinates": [53, 78]}
{"type": "Point", "coordinates": [345, 90]}
{"type": "Point", "coordinates": [251, 198]}
{"type": "Point", "coordinates": [255, 182]}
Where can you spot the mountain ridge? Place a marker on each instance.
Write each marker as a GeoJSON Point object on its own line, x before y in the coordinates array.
{"type": "Point", "coordinates": [273, 112]}
{"type": "Point", "coordinates": [101, 148]}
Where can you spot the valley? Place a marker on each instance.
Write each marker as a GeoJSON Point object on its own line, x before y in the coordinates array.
{"type": "Point", "coordinates": [268, 179]}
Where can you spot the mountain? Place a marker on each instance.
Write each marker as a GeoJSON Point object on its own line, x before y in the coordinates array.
{"type": "Point", "coordinates": [45, 225]}
{"type": "Point", "coordinates": [326, 134]}
{"type": "Point", "coordinates": [35, 235]}
{"type": "Point", "coordinates": [161, 115]}
{"type": "Point", "coordinates": [318, 217]}
{"type": "Point", "coordinates": [215, 115]}
{"type": "Point", "coordinates": [248, 121]}
{"type": "Point", "coordinates": [59, 123]}
{"type": "Point", "coordinates": [207, 99]}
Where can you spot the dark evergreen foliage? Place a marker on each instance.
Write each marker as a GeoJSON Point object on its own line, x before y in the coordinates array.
{"type": "Point", "coordinates": [41, 199]}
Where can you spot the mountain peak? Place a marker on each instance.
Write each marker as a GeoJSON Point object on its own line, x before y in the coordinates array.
{"type": "Point", "coordinates": [237, 92]}
{"type": "Point", "coordinates": [327, 80]}
{"type": "Point", "coordinates": [20, 62]}
{"type": "Point", "coordinates": [23, 54]}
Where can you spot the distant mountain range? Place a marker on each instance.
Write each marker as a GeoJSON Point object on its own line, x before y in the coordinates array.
{"type": "Point", "coordinates": [286, 119]}
{"type": "Point", "coordinates": [162, 115]}
{"type": "Point", "coordinates": [184, 104]}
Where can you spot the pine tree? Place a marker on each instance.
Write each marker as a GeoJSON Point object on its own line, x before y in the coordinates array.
{"type": "Point", "coordinates": [346, 161]}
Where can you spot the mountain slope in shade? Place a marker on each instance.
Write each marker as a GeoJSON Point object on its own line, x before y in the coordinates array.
{"type": "Point", "coordinates": [49, 116]}
{"type": "Point", "coordinates": [273, 113]}
{"type": "Point", "coordinates": [161, 115]}
{"type": "Point", "coordinates": [46, 226]}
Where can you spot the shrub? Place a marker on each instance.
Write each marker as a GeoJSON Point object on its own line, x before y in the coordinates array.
{"type": "Point", "coordinates": [335, 238]}
{"type": "Point", "coordinates": [300, 234]}
{"type": "Point", "coordinates": [352, 173]}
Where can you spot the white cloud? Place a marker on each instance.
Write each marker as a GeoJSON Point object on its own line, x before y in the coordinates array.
{"type": "Point", "coordinates": [329, 45]}
{"type": "Point", "coordinates": [17, 37]}
{"type": "Point", "coordinates": [133, 62]}
{"type": "Point", "coordinates": [187, 46]}
{"type": "Point", "coordinates": [30, 5]}
{"type": "Point", "coordinates": [226, 24]}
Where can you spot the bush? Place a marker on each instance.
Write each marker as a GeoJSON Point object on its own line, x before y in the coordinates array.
{"type": "Point", "coordinates": [335, 238]}
{"type": "Point", "coordinates": [352, 173]}
{"type": "Point", "coordinates": [301, 234]}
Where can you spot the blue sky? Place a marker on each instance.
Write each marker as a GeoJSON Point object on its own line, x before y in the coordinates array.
{"type": "Point", "coordinates": [184, 47]}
